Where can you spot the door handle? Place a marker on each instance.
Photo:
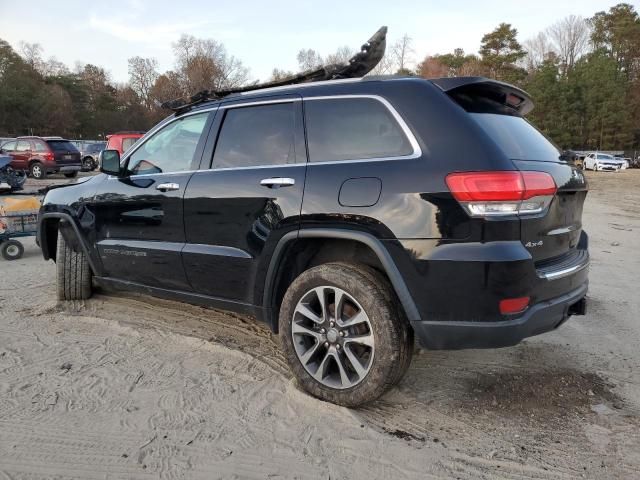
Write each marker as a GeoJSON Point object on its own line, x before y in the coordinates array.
{"type": "Point", "coordinates": [277, 182]}
{"type": "Point", "coordinates": [168, 187]}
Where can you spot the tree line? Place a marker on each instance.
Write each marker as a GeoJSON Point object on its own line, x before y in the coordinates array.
{"type": "Point", "coordinates": [583, 75]}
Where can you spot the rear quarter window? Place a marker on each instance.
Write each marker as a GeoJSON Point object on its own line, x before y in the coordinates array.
{"type": "Point", "coordinates": [516, 137]}
{"type": "Point", "coordinates": [353, 129]}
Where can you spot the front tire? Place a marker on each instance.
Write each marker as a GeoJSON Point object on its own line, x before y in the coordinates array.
{"type": "Point", "coordinates": [37, 171]}
{"type": "Point", "coordinates": [351, 358]}
{"type": "Point", "coordinates": [73, 272]}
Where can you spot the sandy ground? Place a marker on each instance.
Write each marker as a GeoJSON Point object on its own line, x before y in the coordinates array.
{"type": "Point", "coordinates": [135, 387]}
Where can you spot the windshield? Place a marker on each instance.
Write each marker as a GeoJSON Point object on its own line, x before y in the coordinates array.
{"type": "Point", "coordinates": [604, 156]}
{"type": "Point", "coordinates": [95, 147]}
{"type": "Point", "coordinates": [62, 146]}
{"type": "Point", "coordinates": [516, 137]}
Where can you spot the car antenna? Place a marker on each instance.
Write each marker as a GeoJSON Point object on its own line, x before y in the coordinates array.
{"type": "Point", "coordinates": [358, 66]}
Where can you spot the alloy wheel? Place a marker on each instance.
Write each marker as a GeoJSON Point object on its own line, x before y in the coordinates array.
{"type": "Point", "coordinates": [333, 337]}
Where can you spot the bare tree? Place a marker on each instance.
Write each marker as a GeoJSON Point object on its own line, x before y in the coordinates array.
{"type": "Point", "coordinates": [53, 68]}
{"type": "Point", "coordinates": [278, 74]}
{"type": "Point", "coordinates": [32, 55]}
{"type": "Point", "coordinates": [204, 64]}
{"type": "Point", "coordinates": [341, 56]}
{"type": "Point", "coordinates": [384, 66]}
{"type": "Point", "coordinates": [570, 37]}
{"type": "Point", "coordinates": [538, 49]}
{"type": "Point", "coordinates": [402, 53]}
{"type": "Point", "coordinates": [309, 59]}
{"type": "Point", "coordinates": [143, 73]}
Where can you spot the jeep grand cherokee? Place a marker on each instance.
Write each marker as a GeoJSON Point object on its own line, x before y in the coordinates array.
{"type": "Point", "coordinates": [348, 215]}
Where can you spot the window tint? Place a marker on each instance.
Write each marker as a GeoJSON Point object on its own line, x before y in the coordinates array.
{"type": "Point", "coordinates": [23, 146]}
{"type": "Point", "coordinates": [40, 146]}
{"type": "Point", "coordinates": [170, 149]}
{"type": "Point", "coordinates": [516, 137]}
{"type": "Point", "coordinates": [128, 142]}
{"type": "Point", "coordinates": [258, 135]}
{"type": "Point", "coordinates": [351, 129]}
{"type": "Point", "coordinates": [62, 146]}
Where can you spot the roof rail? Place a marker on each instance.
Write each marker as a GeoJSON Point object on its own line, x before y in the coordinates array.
{"type": "Point", "coordinates": [359, 65]}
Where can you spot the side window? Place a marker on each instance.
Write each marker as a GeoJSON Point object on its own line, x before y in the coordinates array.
{"type": "Point", "coordinates": [257, 135]}
{"type": "Point", "coordinates": [127, 143]}
{"type": "Point", "coordinates": [170, 149]}
{"type": "Point", "coordinates": [9, 146]}
{"type": "Point", "coordinates": [23, 146]}
{"type": "Point", "coordinates": [352, 129]}
{"type": "Point", "coordinates": [40, 146]}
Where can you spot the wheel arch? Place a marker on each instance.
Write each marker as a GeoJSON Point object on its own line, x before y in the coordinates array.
{"type": "Point", "coordinates": [47, 236]}
{"type": "Point", "coordinates": [276, 280]}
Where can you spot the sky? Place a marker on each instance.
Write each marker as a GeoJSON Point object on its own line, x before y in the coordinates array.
{"type": "Point", "coordinates": [265, 34]}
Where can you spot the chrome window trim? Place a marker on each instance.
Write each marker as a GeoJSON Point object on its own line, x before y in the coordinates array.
{"type": "Point", "coordinates": [417, 151]}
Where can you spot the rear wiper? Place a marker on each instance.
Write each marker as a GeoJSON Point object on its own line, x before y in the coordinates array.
{"type": "Point", "coordinates": [358, 66]}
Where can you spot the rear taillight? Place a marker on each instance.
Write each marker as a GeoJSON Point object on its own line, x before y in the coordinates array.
{"type": "Point", "coordinates": [502, 193]}
{"type": "Point", "coordinates": [49, 156]}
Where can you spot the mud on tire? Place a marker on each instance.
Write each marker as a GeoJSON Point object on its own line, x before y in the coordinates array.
{"type": "Point", "coordinates": [393, 336]}
{"type": "Point", "coordinates": [73, 273]}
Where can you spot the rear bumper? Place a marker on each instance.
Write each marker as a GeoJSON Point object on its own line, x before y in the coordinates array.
{"type": "Point", "coordinates": [539, 318]}
{"type": "Point", "coordinates": [66, 168]}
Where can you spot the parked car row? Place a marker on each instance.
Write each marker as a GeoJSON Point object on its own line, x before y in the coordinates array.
{"type": "Point", "coordinates": [41, 156]}
{"type": "Point", "coordinates": [603, 161]}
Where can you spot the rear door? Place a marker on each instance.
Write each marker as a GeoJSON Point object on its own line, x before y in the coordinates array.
{"type": "Point", "coordinates": [139, 217]}
{"type": "Point", "coordinates": [248, 196]}
{"type": "Point", "coordinates": [556, 232]}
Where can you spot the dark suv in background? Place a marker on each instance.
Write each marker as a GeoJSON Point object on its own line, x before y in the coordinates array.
{"type": "Point", "coordinates": [348, 215]}
{"type": "Point", "coordinates": [41, 156]}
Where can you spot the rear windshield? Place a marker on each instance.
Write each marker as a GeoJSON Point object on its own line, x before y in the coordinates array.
{"type": "Point", "coordinates": [516, 137]}
{"type": "Point", "coordinates": [62, 146]}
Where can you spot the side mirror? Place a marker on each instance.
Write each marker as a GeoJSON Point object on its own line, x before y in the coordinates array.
{"type": "Point", "coordinates": [110, 162]}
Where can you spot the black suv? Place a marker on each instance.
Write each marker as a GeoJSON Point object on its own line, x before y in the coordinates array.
{"type": "Point", "coordinates": [348, 215]}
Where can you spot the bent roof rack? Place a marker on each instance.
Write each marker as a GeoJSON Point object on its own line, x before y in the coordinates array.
{"type": "Point", "coordinates": [359, 65]}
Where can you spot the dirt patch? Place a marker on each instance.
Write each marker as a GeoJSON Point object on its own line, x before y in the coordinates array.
{"type": "Point", "coordinates": [552, 392]}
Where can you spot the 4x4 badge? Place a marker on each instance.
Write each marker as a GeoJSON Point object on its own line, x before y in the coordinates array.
{"type": "Point", "coordinates": [533, 244]}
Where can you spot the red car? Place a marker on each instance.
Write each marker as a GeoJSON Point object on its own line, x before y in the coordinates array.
{"type": "Point", "coordinates": [43, 155]}
{"type": "Point", "coordinates": [122, 141]}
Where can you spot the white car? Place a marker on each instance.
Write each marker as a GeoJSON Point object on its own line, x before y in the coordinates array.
{"type": "Point", "coordinates": [603, 161]}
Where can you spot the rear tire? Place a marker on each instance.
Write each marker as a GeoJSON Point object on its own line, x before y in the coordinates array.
{"type": "Point", "coordinates": [380, 340]}
{"type": "Point", "coordinates": [37, 171]}
{"type": "Point", "coordinates": [11, 250]}
{"type": "Point", "coordinates": [71, 174]}
{"type": "Point", "coordinates": [73, 273]}
{"type": "Point", "coordinates": [88, 164]}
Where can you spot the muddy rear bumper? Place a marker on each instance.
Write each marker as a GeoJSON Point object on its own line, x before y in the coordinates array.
{"type": "Point", "coordinates": [539, 318]}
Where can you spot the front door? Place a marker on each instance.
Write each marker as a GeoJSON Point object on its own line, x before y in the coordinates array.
{"type": "Point", "coordinates": [236, 211]}
{"type": "Point", "coordinates": [139, 217]}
